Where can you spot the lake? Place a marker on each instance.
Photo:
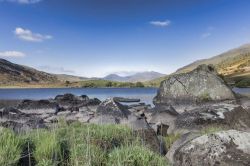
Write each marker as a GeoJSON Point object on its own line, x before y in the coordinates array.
{"type": "Point", "coordinates": [145, 94]}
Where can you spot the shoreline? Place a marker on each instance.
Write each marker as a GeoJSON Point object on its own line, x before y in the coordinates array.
{"type": "Point", "coordinates": [78, 87]}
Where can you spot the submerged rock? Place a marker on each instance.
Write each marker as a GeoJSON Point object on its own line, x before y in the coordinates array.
{"type": "Point", "coordinates": [199, 86]}
{"type": "Point", "coordinates": [230, 147]}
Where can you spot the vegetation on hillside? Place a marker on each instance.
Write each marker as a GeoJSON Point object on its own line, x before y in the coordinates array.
{"type": "Point", "coordinates": [103, 84]}
{"type": "Point", "coordinates": [77, 145]}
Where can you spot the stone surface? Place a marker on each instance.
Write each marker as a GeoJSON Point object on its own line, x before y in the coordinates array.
{"type": "Point", "coordinates": [111, 112]}
{"type": "Point", "coordinates": [222, 148]}
{"type": "Point", "coordinates": [227, 116]}
{"type": "Point", "coordinates": [198, 86]}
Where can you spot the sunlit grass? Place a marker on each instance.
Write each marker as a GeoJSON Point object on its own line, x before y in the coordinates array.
{"type": "Point", "coordinates": [79, 145]}
{"type": "Point", "coordinates": [10, 148]}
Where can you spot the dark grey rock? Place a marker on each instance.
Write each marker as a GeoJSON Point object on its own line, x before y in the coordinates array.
{"type": "Point", "coordinates": [218, 115]}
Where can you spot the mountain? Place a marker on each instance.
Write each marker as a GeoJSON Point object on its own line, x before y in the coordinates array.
{"type": "Point", "coordinates": [232, 62]}
{"type": "Point", "coordinates": [138, 77]}
{"type": "Point", "coordinates": [234, 65]}
{"type": "Point", "coordinates": [71, 78]}
{"type": "Point", "coordinates": [12, 74]}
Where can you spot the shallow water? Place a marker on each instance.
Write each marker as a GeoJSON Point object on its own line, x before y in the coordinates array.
{"type": "Point", "coordinates": [145, 94]}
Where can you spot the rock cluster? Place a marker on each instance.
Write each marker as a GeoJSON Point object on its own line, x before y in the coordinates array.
{"type": "Point", "coordinates": [189, 104]}
{"type": "Point", "coordinates": [186, 105]}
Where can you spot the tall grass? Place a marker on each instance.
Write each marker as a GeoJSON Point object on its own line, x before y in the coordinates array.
{"type": "Point", "coordinates": [135, 155]}
{"type": "Point", "coordinates": [80, 145]}
{"type": "Point", "coordinates": [10, 148]}
{"type": "Point", "coordinates": [47, 150]}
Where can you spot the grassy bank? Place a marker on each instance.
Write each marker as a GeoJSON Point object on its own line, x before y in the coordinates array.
{"type": "Point", "coordinates": [77, 145]}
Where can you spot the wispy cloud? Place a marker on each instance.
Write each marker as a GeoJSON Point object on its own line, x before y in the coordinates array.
{"type": "Point", "coordinates": [22, 1]}
{"type": "Point", "coordinates": [28, 35]}
{"type": "Point", "coordinates": [56, 70]}
{"type": "Point", "coordinates": [9, 54]}
{"type": "Point", "coordinates": [161, 23]}
{"type": "Point", "coordinates": [208, 32]}
{"type": "Point", "coordinates": [206, 35]}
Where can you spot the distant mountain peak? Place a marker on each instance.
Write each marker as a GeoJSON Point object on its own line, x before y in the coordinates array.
{"type": "Point", "coordinates": [137, 77]}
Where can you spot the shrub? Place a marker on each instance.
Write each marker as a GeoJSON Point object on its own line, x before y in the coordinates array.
{"type": "Point", "coordinates": [135, 156]}
{"type": "Point", "coordinates": [139, 84]}
{"type": "Point", "coordinates": [243, 83]}
{"type": "Point", "coordinates": [10, 148]}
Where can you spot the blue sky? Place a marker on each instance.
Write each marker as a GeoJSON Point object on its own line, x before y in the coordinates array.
{"type": "Point", "coordinates": [99, 37]}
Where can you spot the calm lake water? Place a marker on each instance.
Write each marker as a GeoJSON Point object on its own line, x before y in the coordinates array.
{"type": "Point", "coordinates": [145, 94]}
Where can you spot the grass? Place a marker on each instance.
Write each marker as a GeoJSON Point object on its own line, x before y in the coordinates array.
{"type": "Point", "coordinates": [170, 139]}
{"type": "Point", "coordinates": [10, 148]}
{"type": "Point", "coordinates": [78, 145]}
{"type": "Point", "coordinates": [211, 130]}
{"type": "Point", "coordinates": [135, 155]}
{"type": "Point", "coordinates": [47, 148]}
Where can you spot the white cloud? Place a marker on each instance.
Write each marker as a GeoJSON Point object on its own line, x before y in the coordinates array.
{"type": "Point", "coordinates": [22, 1]}
{"type": "Point", "coordinates": [28, 35]}
{"type": "Point", "coordinates": [161, 23]}
{"type": "Point", "coordinates": [8, 54]}
{"type": "Point", "coordinates": [206, 35]}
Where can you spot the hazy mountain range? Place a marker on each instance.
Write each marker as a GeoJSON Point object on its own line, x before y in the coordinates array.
{"type": "Point", "coordinates": [12, 74]}
{"type": "Point", "coordinates": [233, 64]}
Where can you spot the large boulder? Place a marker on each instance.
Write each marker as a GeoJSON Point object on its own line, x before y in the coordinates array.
{"type": "Point", "coordinates": [221, 115]}
{"type": "Point", "coordinates": [111, 112]}
{"type": "Point", "coordinates": [230, 147]}
{"type": "Point", "coordinates": [199, 86]}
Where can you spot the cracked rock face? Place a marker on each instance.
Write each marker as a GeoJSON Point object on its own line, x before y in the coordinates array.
{"type": "Point", "coordinates": [198, 86]}
{"type": "Point", "coordinates": [217, 115]}
{"type": "Point", "coordinates": [230, 147]}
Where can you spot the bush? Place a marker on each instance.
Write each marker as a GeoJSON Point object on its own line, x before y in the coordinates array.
{"type": "Point", "coordinates": [139, 85]}
{"type": "Point", "coordinates": [135, 156]}
{"type": "Point", "coordinates": [10, 148]}
{"type": "Point", "coordinates": [243, 83]}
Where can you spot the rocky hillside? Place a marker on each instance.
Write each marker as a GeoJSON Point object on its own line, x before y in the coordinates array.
{"type": "Point", "coordinates": [12, 74]}
{"type": "Point", "coordinates": [233, 62]}
{"type": "Point", "coordinates": [234, 65]}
